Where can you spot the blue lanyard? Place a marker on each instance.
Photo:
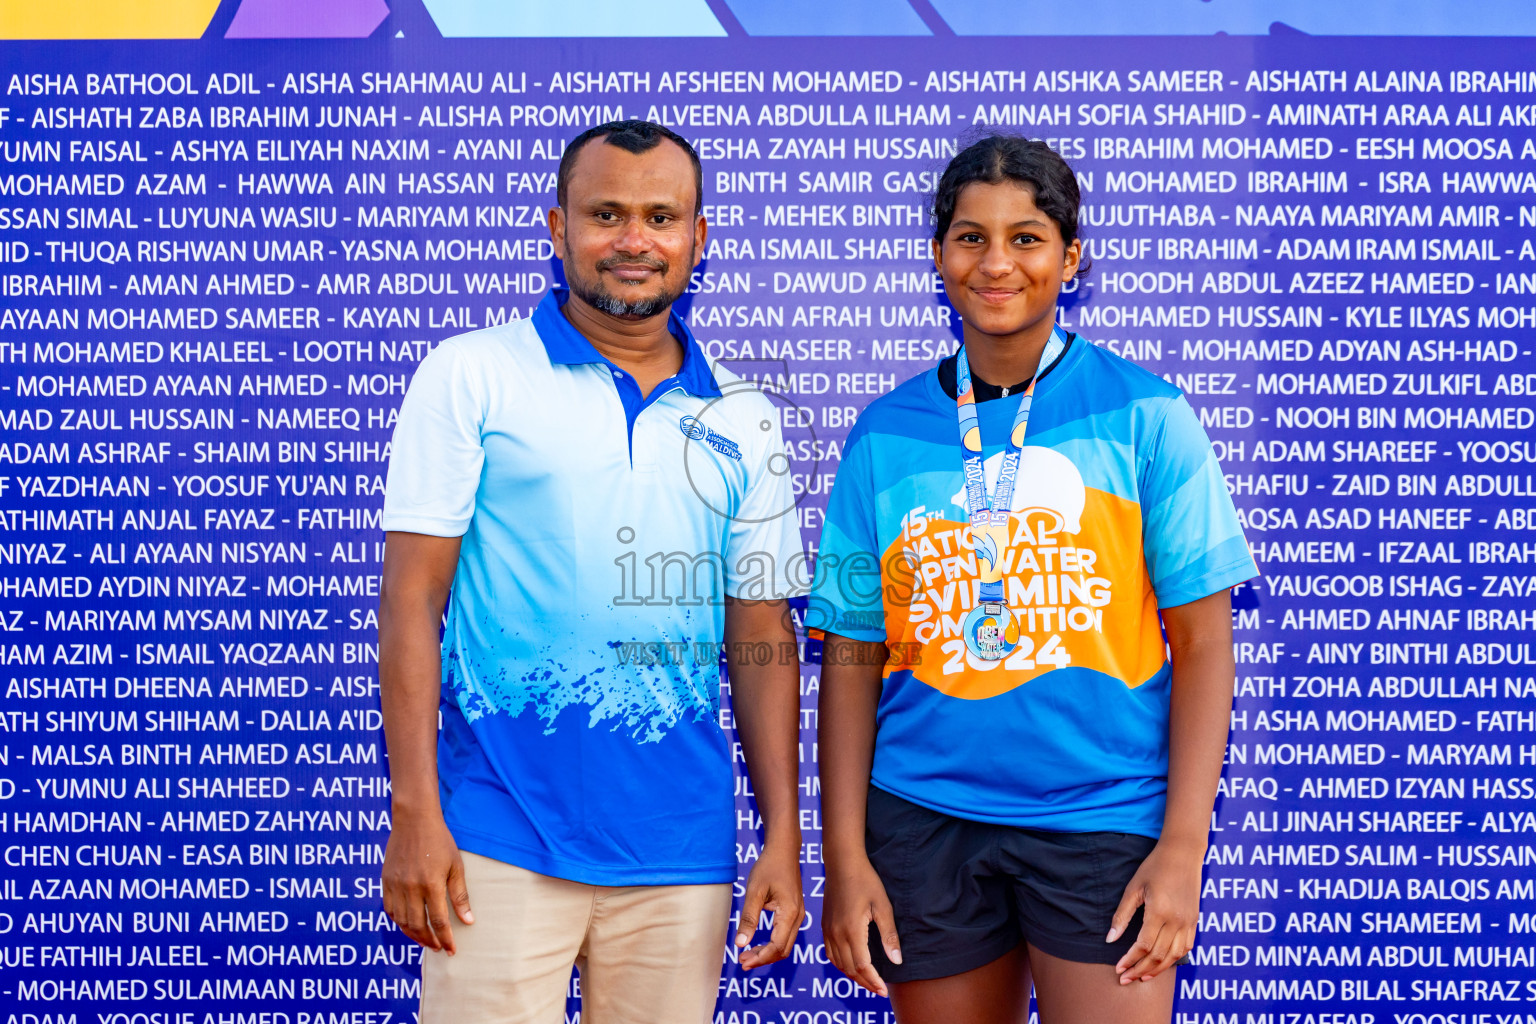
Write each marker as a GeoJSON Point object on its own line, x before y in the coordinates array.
{"type": "Point", "coordinates": [989, 518]}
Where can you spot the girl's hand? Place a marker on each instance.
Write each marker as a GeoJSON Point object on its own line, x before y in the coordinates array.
{"type": "Point", "coordinates": [1168, 885]}
{"type": "Point", "coordinates": [854, 897]}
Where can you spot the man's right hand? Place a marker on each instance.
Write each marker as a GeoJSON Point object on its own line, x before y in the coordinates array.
{"type": "Point", "coordinates": [423, 873]}
{"type": "Point", "coordinates": [854, 897]}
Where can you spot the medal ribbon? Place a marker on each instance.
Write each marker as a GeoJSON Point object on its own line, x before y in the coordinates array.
{"type": "Point", "coordinates": [989, 517]}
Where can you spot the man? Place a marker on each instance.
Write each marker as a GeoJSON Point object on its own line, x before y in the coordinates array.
{"type": "Point", "coordinates": [603, 509]}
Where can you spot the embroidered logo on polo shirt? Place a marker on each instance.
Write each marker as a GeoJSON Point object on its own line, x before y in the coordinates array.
{"type": "Point", "coordinates": [696, 431]}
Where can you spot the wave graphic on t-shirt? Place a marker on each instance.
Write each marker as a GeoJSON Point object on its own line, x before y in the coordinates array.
{"type": "Point", "coordinates": [655, 688]}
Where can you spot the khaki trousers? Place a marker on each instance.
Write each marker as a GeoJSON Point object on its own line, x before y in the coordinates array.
{"type": "Point", "coordinates": [648, 954]}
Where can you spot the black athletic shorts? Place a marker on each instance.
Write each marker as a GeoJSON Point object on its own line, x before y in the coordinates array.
{"type": "Point", "coordinates": [966, 892]}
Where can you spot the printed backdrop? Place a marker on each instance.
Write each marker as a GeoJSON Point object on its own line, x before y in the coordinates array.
{"type": "Point", "coordinates": [230, 231]}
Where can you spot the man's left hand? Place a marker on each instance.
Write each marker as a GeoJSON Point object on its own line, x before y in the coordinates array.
{"type": "Point", "coordinates": [773, 885]}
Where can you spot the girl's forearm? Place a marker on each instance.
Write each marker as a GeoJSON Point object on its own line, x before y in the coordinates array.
{"type": "Point", "coordinates": [850, 694]}
{"type": "Point", "coordinates": [1199, 714]}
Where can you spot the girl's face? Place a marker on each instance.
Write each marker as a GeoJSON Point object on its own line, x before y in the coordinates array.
{"type": "Point", "coordinates": [1003, 261]}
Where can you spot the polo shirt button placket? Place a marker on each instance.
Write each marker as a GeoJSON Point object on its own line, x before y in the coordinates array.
{"type": "Point", "coordinates": [633, 407]}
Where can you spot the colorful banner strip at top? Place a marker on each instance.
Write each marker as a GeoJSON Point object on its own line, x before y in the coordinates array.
{"type": "Point", "coordinates": [572, 18]}
{"type": "Point", "coordinates": [105, 19]}
{"type": "Point", "coordinates": [305, 19]}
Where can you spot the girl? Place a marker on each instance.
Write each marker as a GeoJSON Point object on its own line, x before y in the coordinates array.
{"type": "Point", "coordinates": [1016, 783]}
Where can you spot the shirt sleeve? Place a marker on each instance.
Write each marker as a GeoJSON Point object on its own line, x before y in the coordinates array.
{"type": "Point", "coordinates": [846, 597]}
{"type": "Point", "coordinates": [436, 455]}
{"type": "Point", "coordinates": [765, 557]}
{"type": "Point", "coordinates": [1193, 542]}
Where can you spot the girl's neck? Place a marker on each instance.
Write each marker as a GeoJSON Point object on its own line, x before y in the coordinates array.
{"type": "Point", "coordinates": [1007, 360]}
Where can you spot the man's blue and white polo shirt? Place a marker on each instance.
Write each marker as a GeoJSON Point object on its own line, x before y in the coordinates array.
{"type": "Point", "coordinates": [581, 686]}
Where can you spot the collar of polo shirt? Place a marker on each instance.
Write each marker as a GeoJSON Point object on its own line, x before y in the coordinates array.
{"type": "Point", "coordinates": [565, 344]}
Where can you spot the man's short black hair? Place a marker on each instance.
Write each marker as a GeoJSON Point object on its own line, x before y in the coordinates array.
{"type": "Point", "coordinates": [997, 158]}
{"type": "Point", "coordinates": [633, 136]}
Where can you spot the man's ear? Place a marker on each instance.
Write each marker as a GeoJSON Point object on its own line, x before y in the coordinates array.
{"type": "Point", "coordinates": [556, 218]}
{"type": "Point", "coordinates": [700, 238]}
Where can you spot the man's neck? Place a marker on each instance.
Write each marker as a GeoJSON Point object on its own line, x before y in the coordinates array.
{"type": "Point", "coordinates": [645, 348]}
{"type": "Point", "coordinates": [1010, 360]}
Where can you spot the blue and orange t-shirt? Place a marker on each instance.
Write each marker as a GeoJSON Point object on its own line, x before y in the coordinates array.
{"type": "Point", "coordinates": [1120, 509]}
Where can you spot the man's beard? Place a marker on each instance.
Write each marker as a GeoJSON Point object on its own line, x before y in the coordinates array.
{"type": "Point", "coordinates": [594, 294]}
